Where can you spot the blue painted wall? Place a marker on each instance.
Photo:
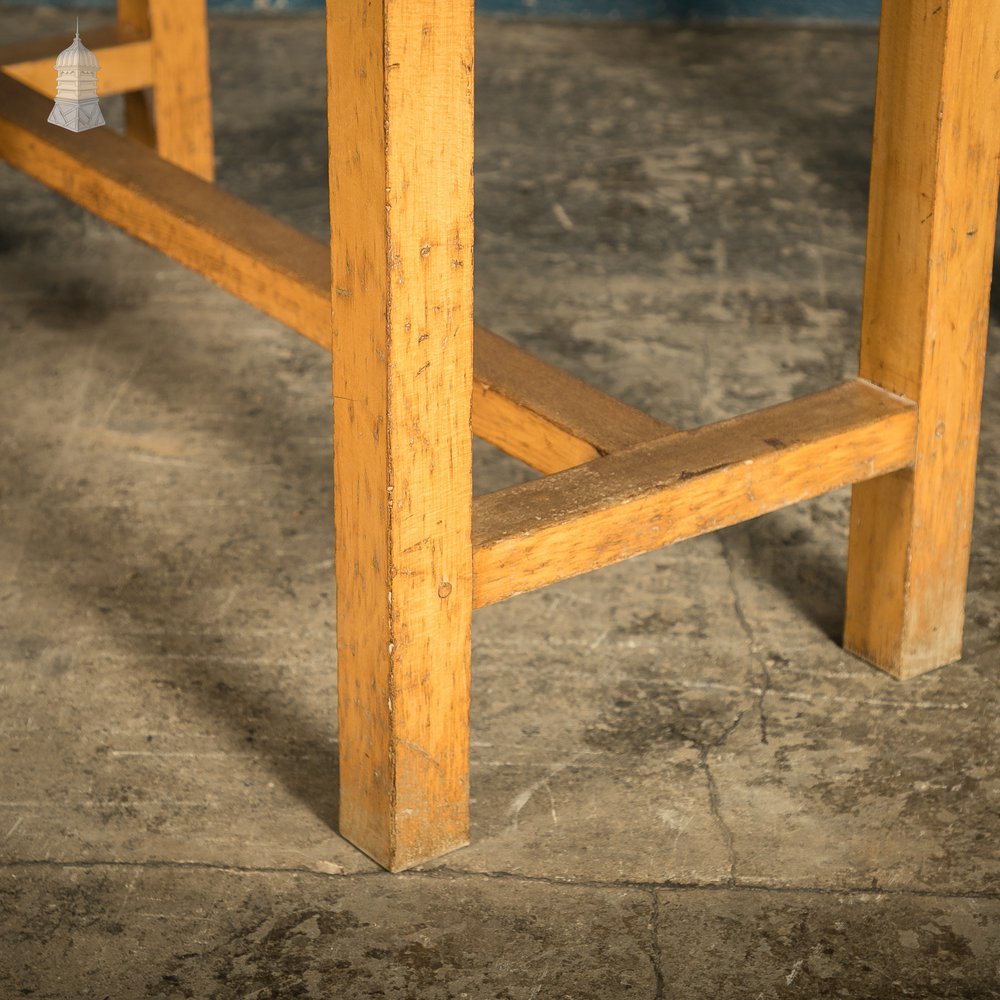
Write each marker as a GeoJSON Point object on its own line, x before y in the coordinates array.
{"type": "Point", "coordinates": [850, 10]}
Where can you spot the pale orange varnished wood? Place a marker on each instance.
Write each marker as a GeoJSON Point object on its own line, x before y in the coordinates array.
{"type": "Point", "coordinates": [133, 19]}
{"type": "Point", "coordinates": [265, 262]}
{"type": "Point", "coordinates": [400, 118]}
{"type": "Point", "coordinates": [410, 563]}
{"type": "Point", "coordinates": [182, 95]}
{"type": "Point", "coordinates": [686, 484]}
{"type": "Point", "coordinates": [126, 61]}
{"type": "Point", "coordinates": [536, 441]}
{"type": "Point", "coordinates": [524, 406]}
{"type": "Point", "coordinates": [930, 244]}
{"type": "Point", "coordinates": [157, 56]}
{"type": "Point", "coordinates": [544, 415]}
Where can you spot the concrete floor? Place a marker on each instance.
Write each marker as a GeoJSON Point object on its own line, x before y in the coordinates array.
{"type": "Point", "coordinates": [682, 786]}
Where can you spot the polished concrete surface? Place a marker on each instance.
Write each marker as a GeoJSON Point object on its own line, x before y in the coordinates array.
{"type": "Point", "coordinates": [682, 786]}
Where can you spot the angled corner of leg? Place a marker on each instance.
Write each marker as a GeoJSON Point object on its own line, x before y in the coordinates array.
{"type": "Point", "coordinates": [903, 664]}
{"type": "Point", "coordinates": [402, 860]}
{"type": "Point", "coordinates": [399, 854]}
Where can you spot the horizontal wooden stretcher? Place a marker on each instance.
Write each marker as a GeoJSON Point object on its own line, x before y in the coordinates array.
{"type": "Point", "coordinates": [391, 299]}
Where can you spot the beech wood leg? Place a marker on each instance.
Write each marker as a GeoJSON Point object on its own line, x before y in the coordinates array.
{"type": "Point", "coordinates": [133, 17]}
{"type": "Point", "coordinates": [930, 246]}
{"type": "Point", "coordinates": [400, 120]}
{"type": "Point", "coordinates": [175, 115]}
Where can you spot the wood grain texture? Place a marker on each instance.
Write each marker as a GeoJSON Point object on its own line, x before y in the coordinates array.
{"type": "Point", "coordinates": [523, 405]}
{"type": "Point", "coordinates": [133, 19]}
{"type": "Point", "coordinates": [545, 416]}
{"type": "Point", "coordinates": [930, 246]}
{"type": "Point", "coordinates": [692, 482]}
{"type": "Point", "coordinates": [126, 61]}
{"type": "Point", "coordinates": [182, 92]}
{"type": "Point", "coordinates": [400, 119]}
{"type": "Point", "coordinates": [265, 262]}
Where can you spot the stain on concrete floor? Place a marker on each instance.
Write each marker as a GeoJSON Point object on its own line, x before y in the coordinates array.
{"type": "Point", "coordinates": [682, 786]}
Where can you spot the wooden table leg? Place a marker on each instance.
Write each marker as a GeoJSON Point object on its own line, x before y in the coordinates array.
{"type": "Point", "coordinates": [400, 119]}
{"type": "Point", "coordinates": [133, 17]}
{"type": "Point", "coordinates": [175, 115]}
{"type": "Point", "coordinates": [930, 244]}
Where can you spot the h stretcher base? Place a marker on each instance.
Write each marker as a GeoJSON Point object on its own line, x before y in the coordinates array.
{"type": "Point", "coordinates": [391, 299]}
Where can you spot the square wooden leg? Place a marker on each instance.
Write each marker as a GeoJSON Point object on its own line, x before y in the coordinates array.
{"type": "Point", "coordinates": [930, 244]}
{"type": "Point", "coordinates": [400, 119]}
{"type": "Point", "coordinates": [175, 115]}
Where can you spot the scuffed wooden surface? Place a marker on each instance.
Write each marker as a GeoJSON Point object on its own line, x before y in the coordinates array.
{"type": "Point", "coordinates": [166, 448]}
{"type": "Point", "coordinates": [659, 493]}
{"type": "Point", "coordinates": [927, 293]}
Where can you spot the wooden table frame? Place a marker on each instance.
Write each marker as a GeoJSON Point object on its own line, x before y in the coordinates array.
{"type": "Point", "coordinates": [415, 553]}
